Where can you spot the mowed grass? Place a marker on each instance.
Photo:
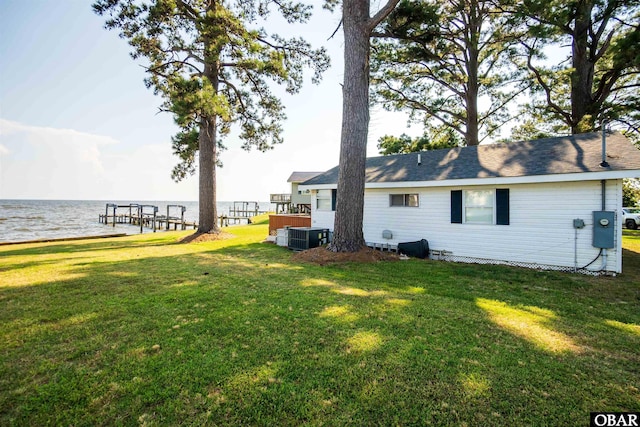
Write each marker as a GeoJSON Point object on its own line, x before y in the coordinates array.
{"type": "Point", "coordinates": [143, 330]}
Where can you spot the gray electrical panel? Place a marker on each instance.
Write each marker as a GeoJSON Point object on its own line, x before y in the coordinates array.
{"type": "Point", "coordinates": [604, 229]}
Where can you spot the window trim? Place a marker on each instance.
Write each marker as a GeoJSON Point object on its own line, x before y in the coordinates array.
{"type": "Point", "coordinates": [330, 197]}
{"type": "Point", "coordinates": [405, 200]}
{"type": "Point", "coordinates": [492, 198]}
{"type": "Point", "coordinates": [501, 200]}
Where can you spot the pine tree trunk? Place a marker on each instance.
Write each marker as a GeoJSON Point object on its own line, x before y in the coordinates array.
{"type": "Point", "coordinates": [471, 132]}
{"type": "Point", "coordinates": [583, 70]}
{"type": "Point", "coordinates": [208, 152]}
{"type": "Point", "coordinates": [348, 235]}
{"type": "Point", "coordinates": [473, 31]}
{"type": "Point", "coordinates": [207, 215]}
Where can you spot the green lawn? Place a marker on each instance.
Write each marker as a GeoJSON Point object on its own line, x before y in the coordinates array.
{"type": "Point", "coordinates": [142, 330]}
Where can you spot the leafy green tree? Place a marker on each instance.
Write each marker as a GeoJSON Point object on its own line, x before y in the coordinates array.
{"type": "Point", "coordinates": [434, 139]}
{"type": "Point", "coordinates": [631, 192]}
{"type": "Point", "coordinates": [447, 63]}
{"type": "Point", "coordinates": [212, 63]}
{"type": "Point", "coordinates": [599, 80]}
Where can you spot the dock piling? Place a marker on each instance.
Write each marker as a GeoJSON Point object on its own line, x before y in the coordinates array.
{"type": "Point", "coordinates": [147, 216]}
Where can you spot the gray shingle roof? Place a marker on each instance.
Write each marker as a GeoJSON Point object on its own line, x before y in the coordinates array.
{"type": "Point", "coordinates": [302, 176]}
{"type": "Point", "coordinates": [560, 155]}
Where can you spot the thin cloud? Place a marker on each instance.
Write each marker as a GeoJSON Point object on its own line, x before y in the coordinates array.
{"type": "Point", "coordinates": [49, 163]}
{"type": "Point", "coordinates": [42, 133]}
{"type": "Point", "coordinates": [45, 162]}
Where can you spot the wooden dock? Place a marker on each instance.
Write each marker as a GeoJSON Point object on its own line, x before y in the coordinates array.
{"type": "Point", "coordinates": [159, 223]}
{"type": "Point", "coordinates": [245, 210]}
{"type": "Point", "coordinates": [240, 212]}
{"type": "Point", "coordinates": [146, 216]}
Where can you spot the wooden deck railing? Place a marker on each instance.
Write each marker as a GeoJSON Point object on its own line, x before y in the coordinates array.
{"type": "Point", "coordinates": [280, 198]}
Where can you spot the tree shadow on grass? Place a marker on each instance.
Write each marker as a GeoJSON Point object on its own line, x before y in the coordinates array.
{"type": "Point", "coordinates": [82, 246]}
{"type": "Point", "coordinates": [242, 335]}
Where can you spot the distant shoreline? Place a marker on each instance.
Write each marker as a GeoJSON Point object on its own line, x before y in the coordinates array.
{"type": "Point", "coordinates": [65, 239]}
{"type": "Point", "coordinates": [44, 220]}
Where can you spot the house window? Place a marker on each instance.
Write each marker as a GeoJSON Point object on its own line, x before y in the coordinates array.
{"type": "Point", "coordinates": [480, 206]}
{"type": "Point", "coordinates": [326, 200]}
{"type": "Point", "coordinates": [410, 200]}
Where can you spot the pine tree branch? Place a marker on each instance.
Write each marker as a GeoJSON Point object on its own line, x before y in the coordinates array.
{"type": "Point", "coordinates": [256, 86]}
{"type": "Point", "coordinates": [606, 16]}
{"type": "Point", "coordinates": [550, 103]}
{"type": "Point", "coordinates": [423, 107]}
{"type": "Point", "coordinates": [286, 50]}
{"type": "Point", "coordinates": [503, 104]}
{"type": "Point", "coordinates": [632, 126]}
{"type": "Point", "coordinates": [496, 128]}
{"type": "Point", "coordinates": [156, 69]}
{"type": "Point", "coordinates": [630, 86]}
{"type": "Point", "coordinates": [336, 30]}
{"type": "Point", "coordinates": [191, 12]}
{"type": "Point", "coordinates": [235, 90]}
{"type": "Point", "coordinates": [607, 81]}
{"type": "Point", "coordinates": [373, 22]}
{"type": "Point", "coordinates": [433, 76]}
{"type": "Point", "coordinates": [605, 46]}
{"type": "Point", "coordinates": [246, 113]}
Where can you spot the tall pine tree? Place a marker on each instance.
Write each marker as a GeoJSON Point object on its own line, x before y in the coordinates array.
{"type": "Point", "coordinates": [212, 63]}
{"type": "Point", "coordinates": [358, 26]}
{"type": "Point", "coordinates": [599, 78]}
{"type": "Point", "coordinates": [446, 62]}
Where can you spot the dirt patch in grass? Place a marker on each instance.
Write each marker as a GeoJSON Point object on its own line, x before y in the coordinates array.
{"type": "Point", "coordinates": [206, 237]}
{"type": "Point", "coordinates": [323, 256]}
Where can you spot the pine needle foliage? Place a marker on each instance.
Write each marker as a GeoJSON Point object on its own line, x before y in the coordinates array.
{"type": "Point", "coordinates": [214, 65]}
{"type": "Point", "coordinates": [596, 81]}
{"type": "Point", "coordinates": [446, 62]}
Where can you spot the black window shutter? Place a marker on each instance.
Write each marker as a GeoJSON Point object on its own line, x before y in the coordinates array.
{"type": "Point", "coordinates": [502, 206]}
{"type": "Point", "coordinates": [456, 206]}
{"type": "Point", "coordinates": [334, 194]}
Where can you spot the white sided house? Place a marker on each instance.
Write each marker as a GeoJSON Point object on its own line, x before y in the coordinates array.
{"type": "Point", "coordinates": [552, 203]}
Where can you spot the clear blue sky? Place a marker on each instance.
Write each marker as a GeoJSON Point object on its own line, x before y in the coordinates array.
{"type": "Point", "coordinates": [77, 122]}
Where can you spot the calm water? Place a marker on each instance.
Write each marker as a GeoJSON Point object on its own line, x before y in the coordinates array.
{"type": "Point", "coordinates": [22, 220]}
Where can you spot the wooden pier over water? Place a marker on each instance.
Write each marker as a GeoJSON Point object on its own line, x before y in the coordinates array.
{"type": "Point", "coordinates": [239, 212]}
{"type": "Point", "coordinates": [146, 216]}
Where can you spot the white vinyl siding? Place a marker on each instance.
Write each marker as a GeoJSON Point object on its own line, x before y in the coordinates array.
{"type": "Point", "coordinates": [320, 217]}
{"type": "Point", "coordinates": [540, 231]}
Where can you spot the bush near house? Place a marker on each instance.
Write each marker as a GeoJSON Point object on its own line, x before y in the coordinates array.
{"type": "Point", "coordinates": [143, 330]}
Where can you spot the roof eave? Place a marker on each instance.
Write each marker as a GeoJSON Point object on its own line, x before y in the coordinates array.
{"type": "Point", "coordinates": [530, 179]}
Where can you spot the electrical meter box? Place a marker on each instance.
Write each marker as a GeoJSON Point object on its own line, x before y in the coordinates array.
{"type": "Point", "coordinates": [604, 229]}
